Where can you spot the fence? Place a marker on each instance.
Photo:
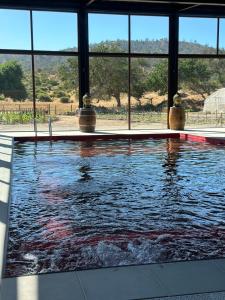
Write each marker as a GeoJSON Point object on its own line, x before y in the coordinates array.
{"type": "Point", "coordinates": [22, 113]}
{"type": "Point", "coordinates": [204, 118]}
{"type": "Point", "coordinates": [49, 108]}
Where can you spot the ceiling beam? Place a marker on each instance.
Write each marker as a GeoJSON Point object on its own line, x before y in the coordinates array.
{"type": "Point", "coordinates": [89, 2]}
{"type": "Point", "coordinates": [189, 7]}
{"type": "Point", "coordinates": [185, 2]}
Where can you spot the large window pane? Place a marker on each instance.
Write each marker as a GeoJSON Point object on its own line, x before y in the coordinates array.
{"type": "Point", "coordinates": [149, 93]}
{"type": "Point", "coordinates": [149, 34]}
{"type": "Point", "coordinates": [56, 79]}
{"type": "Point", "coordinates": [55, 31]}
{"type": "Point", "coordinates": [108, 33]}
{"type": "Point", "coordinates": [197, 35]}
{"type": "Point", "coordinates": [109, 87]}
{"type": "Point", "coordinates": [15, 29]}
{"type": "Point", "coordinates": [16, 106]}
{"type": "Point", "coordinates": [222, 36]}
{"type": "Point", "coordinates": [202, 87]}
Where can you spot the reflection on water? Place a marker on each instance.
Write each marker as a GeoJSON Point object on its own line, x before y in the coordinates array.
{"type": "Point", "coordinates": [78, 205]}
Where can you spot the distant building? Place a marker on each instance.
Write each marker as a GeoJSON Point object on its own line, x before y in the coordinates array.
{"type": "Point", "coordinates": [215, 102]}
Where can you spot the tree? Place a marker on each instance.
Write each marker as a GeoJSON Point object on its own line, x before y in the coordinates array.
{"type": "Point", "coordinates": [195, 75]}
{"type": "Point", "coordinates": [68, 74]}
{"type": "Point", "coordinates": [11, 76]}
{"type": "Point", "coordinates": [109, 76]}
{"type": "Point", "coordinates": [158, 78]}
{"type": "Point", "coordinates": [217, 71]}
{"type": "Point", "coordinates": [139, 77]}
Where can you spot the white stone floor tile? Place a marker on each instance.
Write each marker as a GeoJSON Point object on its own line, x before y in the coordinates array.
{"type": "Point", "coordinates": [135, 282]}
{"type": "Point", "coordinates": [206, 296]}
{"type": "Point", "coordinates": [55, 286]}
{"type": "Point", "coordinates": [191, 277]}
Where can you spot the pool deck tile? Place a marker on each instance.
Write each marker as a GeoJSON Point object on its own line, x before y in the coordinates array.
{"type": "Point", "coordinates": [221, 266]}
{"type": "Point", "coordinates": [205, 296]}
{"type": "Point", "coordinates": [207, 134]}
{"type": "Point", "coordinates": [6, 146]}
{"type": "Point", "coordinates": [58, 286]}
{"type": "Point", "coordinates": [134, 282]}
{"type": "Point", "coordinates": [191, 277]}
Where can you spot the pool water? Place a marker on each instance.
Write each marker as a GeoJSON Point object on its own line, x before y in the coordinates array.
{"type": "Point", "coordinates": [79, 205]}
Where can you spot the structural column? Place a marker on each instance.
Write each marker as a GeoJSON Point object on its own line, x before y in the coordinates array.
{"type": "Point", "coordinates": [173, 60]}
{"type": "Point", "coordinates": [83, 54]}
{"type": "Point", "coordinates": [33, 74]}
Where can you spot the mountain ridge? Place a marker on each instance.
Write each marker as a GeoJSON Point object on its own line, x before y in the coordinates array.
{"type": "Point", "coordinates": [46, 62]}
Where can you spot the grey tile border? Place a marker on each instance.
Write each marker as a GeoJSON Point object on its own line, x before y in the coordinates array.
{"type": "Point", "coordinates": [206, 296]}
{"type": "Point", "coordinates": [58, 286]}
{"type": "Point", "coordinates": [191, 277]}
{"type": "Point", "coordinates": [207, 132]}
{"type": "Point", "coordinates": [166, 281]}
{"type": "Point", "coordinates": [6, 153]}
{"type": "Point", "coordinates": [221, 265]}
{"type": "Point", "coordinates": [133, 282]}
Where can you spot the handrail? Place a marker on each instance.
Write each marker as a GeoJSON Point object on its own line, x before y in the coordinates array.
{"type": "Point", "coordinates": [50, 126]}
{"type": "Point", "coordinates": [35, 126]}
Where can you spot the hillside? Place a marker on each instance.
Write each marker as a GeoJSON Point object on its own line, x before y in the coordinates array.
{"type": "Point", "coordinates": [146, 46]}
{"type": "Point", "coordinates": [158, 46]}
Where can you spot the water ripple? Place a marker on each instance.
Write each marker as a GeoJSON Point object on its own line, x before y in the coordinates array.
{"type": "Point", "coordinates": [79, 205]}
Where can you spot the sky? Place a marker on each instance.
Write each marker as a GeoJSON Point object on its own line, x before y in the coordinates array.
{"type": "Point", "coordinates": [58, 31]}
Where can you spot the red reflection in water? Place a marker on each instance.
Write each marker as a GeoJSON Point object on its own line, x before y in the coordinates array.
{"type": "Point", "coordinates": [58, 237]}
{"type": "Point", "coordinates": [56, 230]}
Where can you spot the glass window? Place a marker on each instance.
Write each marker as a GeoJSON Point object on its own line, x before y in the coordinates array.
{"type": "Point", "coordinates": [222, 36]}
{"type": "Point", "coordinates": [197, 35]}
{"type": "Point", "coordinates": [15, 29]}
{"type": "Point", "coordinates": [57, 89]}
{"type": "Point", "coordinates": [201, 84]}
{"type": "Point", "coordinates": [149, 81]}
{"type": "Point", "coordinates": [55, 31]}
{"type": "Point", "coordinates": [109, 88]}
{"type": "Point", "coordinates": [108, 33]}
{"type": "Point", "coordinates": [16, 101]}
{"type": "Point", "coordinates": [149, 34]}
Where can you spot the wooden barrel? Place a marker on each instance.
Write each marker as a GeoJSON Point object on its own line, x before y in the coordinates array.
{"type": "Point", "coordinates": [176, 118]}
{"type": "Point", "coordinates": [87, 119]}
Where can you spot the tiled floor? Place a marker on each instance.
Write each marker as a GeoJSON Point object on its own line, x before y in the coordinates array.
{"type": "Point", "coordinates": [134, 282]}
{"type": "Point", "coordinates": [208, 132]}
{"type": "Point", "coordinates": [206, 296]}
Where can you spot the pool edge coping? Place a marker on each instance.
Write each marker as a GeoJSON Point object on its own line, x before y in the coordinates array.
{"type": "Point", "coordinates": [183, 135]}
{"type": "Point", "coordinates": [6, 161]}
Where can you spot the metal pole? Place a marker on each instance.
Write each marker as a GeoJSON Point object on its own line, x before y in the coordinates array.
{"type": "Point", "coordinates": [33, 73]}
{"type": "Point", "coordinates": [129, 72]}
{"type": "Point", "coordinates": [83, 49]}
{"type": "Point", "coordinates": [218, 36]}
{"type": "Point", "coordinates": [50, 126]}
{"type": "Point", "coordinates": [173, 61]}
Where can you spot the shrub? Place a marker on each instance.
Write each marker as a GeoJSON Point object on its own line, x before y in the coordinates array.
{"type": "Point", "coordinates": [43, 88]}
{"type": "Point", "coordinates": [64, 99]}
{"type": "Point", "coordinates": [44, 98]}
{"type": "Point", "coordinates": [144, 107]}
{"type": "Point", "coordinates": [60, 94]}
{"type": "Point", "coordinates": [53, 82]}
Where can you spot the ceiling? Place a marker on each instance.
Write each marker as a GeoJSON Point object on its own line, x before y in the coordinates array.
{"type": "Point", "coordinates": [192, 2]}
{"type": "Point", "coordinates": [192, 7]}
